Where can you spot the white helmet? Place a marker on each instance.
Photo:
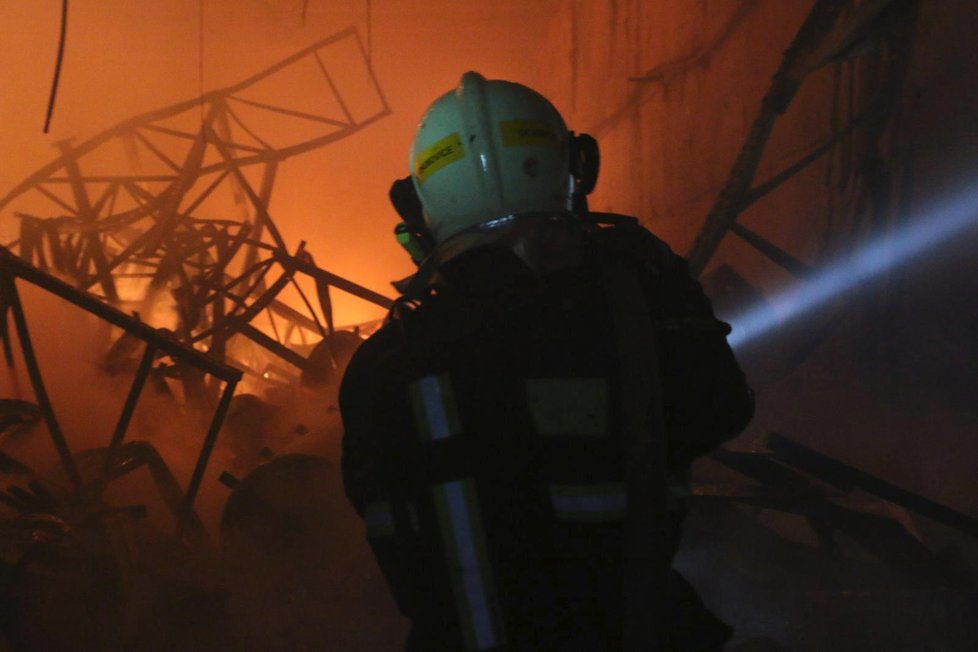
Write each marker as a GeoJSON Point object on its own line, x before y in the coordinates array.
{"type": "Point", "coordinates": [486, 151]}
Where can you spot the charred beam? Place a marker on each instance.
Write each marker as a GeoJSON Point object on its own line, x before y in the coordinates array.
{"type": "Point", "coordinates": [37, 382]}
{"type": "Point", "coordinates": [159, 339]}
{"type": "Point", "coordinates": [846, 477]}
{"type": "Point", "coordinates": [794, 66]}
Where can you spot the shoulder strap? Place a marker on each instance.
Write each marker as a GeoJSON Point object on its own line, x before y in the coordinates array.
{"type": "Point", "coordinates": [647, 559]}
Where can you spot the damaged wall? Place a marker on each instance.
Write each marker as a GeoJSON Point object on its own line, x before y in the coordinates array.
{"type": "Point", "coordinates": [670, 90]}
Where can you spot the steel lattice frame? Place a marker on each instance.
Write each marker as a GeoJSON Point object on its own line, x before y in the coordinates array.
{"type": "Point", "coordinates": [153, 226]}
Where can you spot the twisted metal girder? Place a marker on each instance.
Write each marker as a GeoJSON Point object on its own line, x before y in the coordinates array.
{"type": "Point", "coordinates": [150, 226]}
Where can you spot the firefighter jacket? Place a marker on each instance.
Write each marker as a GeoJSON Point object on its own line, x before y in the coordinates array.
{"type": "Point", "coordinates": [483, 440]}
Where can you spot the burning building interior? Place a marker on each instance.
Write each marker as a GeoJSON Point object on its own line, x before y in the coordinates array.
{"type": "Point", "coordinates": [197, 237]}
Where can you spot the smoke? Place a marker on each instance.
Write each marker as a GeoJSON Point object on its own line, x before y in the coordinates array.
{"type": "Point", "coordinates": [948, 219]}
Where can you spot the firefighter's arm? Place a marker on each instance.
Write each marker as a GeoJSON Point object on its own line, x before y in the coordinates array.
{"type": "Point", "coordinates": [361, 446]}
{"type": "Point", "coordinates": [707, 400]}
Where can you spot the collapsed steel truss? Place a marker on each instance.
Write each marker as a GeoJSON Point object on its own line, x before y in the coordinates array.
{"type": "Point", "coordinates": [794, 479]}
{"type": "Point", "coordinates": [833, 32]}
{"type": "Point", "coordinates": [87, 491]}
{"type": "Point", "coordinates": [151, 227]}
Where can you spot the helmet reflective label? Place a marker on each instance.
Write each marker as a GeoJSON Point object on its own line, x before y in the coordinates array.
{"type": "Point", "coordinates": [526, 132]}
{"type": "Point", "coordinates": [437, 155]}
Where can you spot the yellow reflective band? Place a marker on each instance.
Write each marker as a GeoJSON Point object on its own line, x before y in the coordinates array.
{"type": "Point", "coordinates": [468, 565]}
{"type": "Point", "coordinates": [437, 155]}
{"type": "Point", "coordinates": [434, 408]}
{"type": "Point", "coordinates": [569, 406]}
{"type": "Point", "coordinates": [589, 503]}
{"type": "Point", "coordinates": [519, 133]}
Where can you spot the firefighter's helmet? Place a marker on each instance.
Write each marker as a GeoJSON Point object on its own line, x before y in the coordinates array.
{"type": "Point", "coordinates": [487, 151]}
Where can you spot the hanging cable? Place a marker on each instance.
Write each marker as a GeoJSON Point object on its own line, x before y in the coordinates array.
{"type": "Point", "coordinates": [370, 30]}
{"type": "Point", "coordinates": [305, 8]}
{"type": "Point", "coordinates": [57, 65]}
{"type": "Point", "coordinates": [200, 57]}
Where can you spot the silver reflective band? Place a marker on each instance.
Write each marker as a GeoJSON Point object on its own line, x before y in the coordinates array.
{"type": "Point", "coordinates": [589, 503]}
{"type": "Point", "coordinates": [497, 223]}
{"type": "Point", "coordinates": [433, 402]}
{"type": "Point", "coordinates": [379, 520]}
{"type": "Point", "coordinates": [468, 564]}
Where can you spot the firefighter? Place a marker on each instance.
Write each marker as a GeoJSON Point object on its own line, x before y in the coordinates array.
{"type": "Point", "coordinates": [513, 430]}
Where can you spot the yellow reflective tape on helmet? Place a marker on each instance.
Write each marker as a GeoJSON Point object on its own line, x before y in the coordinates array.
{"type": "Point", "coordinates": [469, 568]}
{"type": "Point", "coordinates": [518, 133]}
{"type": "Point", "coordinates": [569, 406]}
{"type": "Point", "coordinates": [434, 408]}
{"type": "Point", "coordinates": [437, 155]}
{"type": "Point", "coordinates": [603, 502]}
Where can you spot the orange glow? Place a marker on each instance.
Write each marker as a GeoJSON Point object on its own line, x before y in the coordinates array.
{"type": "Point", "coordinates": [124, 58]}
